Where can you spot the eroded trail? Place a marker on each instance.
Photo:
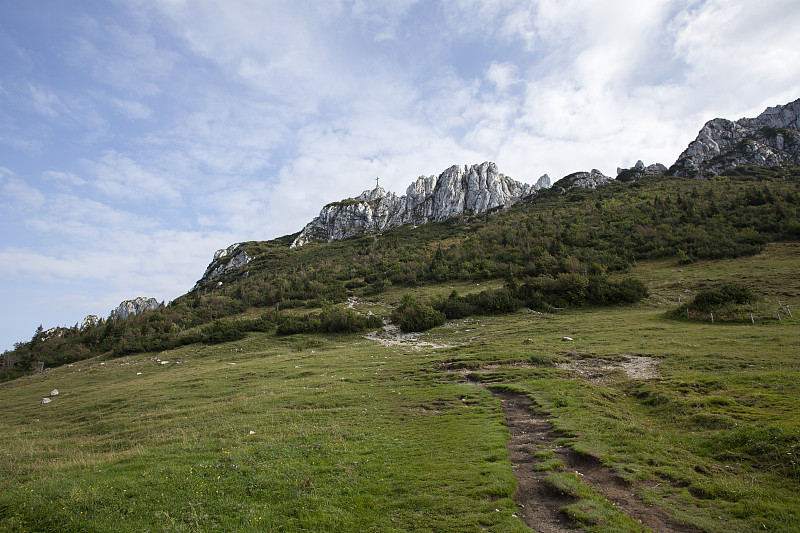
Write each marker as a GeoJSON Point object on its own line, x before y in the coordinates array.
{"type": "Point", "coordinates": [540, 504]}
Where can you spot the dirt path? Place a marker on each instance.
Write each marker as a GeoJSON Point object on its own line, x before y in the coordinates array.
{"type": "Point", "coordinates": [539, 503]}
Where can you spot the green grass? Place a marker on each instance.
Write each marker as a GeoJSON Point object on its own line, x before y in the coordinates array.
{"type": "Point", "coordinates": [349, 435]}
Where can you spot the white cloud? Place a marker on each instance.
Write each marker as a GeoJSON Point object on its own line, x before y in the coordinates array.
{"type": "Point", "coordinates": [127, 59]}
{"type": "Point", "coordinates": [46, 102]}
{"type": "Point", "coordinates": [502, 75]}
{"type": "Point", "coordinates": [65, 177]}
{"type": "Point", "coordinates": [132, 108]}
{"type": "Point", "coordinates": [121, 176]}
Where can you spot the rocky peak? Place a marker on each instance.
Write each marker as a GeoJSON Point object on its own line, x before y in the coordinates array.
{"type": "Point", "coordinates": [134, 307]}
{"type": "Point", "coordinates": [459, 190]}
{"type": "Point", "coordinates": [639, 171]}
{"type": "Point", "coordinates": [581, 180]}
{"type": "Point", "coordinates": [770, 139]}
{"type": "Point", "coordinates": [90, 321]}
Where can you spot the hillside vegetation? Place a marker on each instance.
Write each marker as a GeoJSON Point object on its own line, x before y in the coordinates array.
{"type": "Point", "coordinates": [554, 251]}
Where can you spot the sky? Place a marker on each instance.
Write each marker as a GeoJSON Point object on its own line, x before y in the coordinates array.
{"type": "Point", "coordinates": [139, 136]}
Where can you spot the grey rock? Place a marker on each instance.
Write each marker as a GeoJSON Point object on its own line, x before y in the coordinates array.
{"type": "Point", "coordinates": [581, 180]}
{"type": "Point", "coordinates": [225, 260]}
{"type": "Point", "coordinates": [639, 170]}
{"type": "Point", "coordinates": [54, 392]}
{"type": "Point", "coordinates": [134, 307]}
{"type": "Point", "coordinates": [46, 400]}
{"type": "Point", "coordinates": [456, 191]}
{"type": "Point", "coordinates": [770, 139]}
{"type": "Point", "coordinates": [90, 321]}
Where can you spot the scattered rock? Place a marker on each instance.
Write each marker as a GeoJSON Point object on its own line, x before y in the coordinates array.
{"type": "Point", "coordinates": [566, 339]}
{"type": "Point", "coordinates": [46, 400]}
{"type": "Point", "coordinates": [54, 392]}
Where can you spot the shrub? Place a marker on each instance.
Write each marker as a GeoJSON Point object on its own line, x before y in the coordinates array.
{"type": "Point", "coordinates": [222, 331]}
{"type": "Point", "coordinates": [712, 299]}
{"type": "Point", "coordinates": [412, 315]}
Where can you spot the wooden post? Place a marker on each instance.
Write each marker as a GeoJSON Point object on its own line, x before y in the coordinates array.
{"type": "Point", "coordinates": [687, 312]}
{"type": "Point", "coordinates": [752, 320]}
{"type": "Point", "coordinates": [779, 316]}
{"type": "Point", "coordinates": [789, 311]}
{"type": "Point", "coordinates": [712, 318]}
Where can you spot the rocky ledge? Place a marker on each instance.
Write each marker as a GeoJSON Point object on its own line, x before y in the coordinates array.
{"type": "Point", "coordinates": [134, 307]}
{"type": "Point", "coordinates": [225, 260]}
{"type": "Point", "coordinates": [581, 180]}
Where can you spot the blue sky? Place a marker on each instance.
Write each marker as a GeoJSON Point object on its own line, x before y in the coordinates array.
{"type": "Point", "coordinates": [139, 136]}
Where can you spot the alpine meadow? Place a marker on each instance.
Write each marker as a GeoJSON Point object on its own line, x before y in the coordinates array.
{"type": "Point", "coordinates": [598, 355]}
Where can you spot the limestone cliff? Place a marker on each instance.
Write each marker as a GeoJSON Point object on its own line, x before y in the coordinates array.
{"type": "Point", "coordinates": [770, 139]}
{"type": "Point", "coordinates": [456, 191]}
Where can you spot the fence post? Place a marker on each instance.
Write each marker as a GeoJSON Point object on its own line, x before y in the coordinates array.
{"type": "Point", "coordinates": [712, 318]}
{"type": "Point", "coordinates": [779, 316]}
{"type": "Point", "coordinates": [753, 320]}
{"type": "Point", "coordinates": [789, 311]}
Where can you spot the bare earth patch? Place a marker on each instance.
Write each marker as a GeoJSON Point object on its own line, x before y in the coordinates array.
{"type": "Point", "coordinates": [597, 368]}
{"type": "Point", "coordinates": [540, 504]}
{"type": "Point", "coordinates": [391, 335]}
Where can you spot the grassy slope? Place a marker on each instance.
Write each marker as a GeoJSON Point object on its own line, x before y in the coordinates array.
{"type": "Point", "coordinates": [355, 436]}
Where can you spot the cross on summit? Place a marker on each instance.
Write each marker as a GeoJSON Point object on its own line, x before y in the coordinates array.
{"type": "Point", "coordinates": [376, 182]}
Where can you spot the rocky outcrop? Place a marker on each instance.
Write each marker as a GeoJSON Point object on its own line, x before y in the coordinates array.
{"type": "Point", "coordinates": [90, 321]}
{"type": "Point", "coordinates": [639, 171]}
{"type": "Point", "coordinates": [581, 180]}
{"type": "Point", "coordinates": [225, 260]}
{"type": "Point", "coordinates": [770, 139]}
{"type": "Point", "coordinates": [134, 307]}
{"type": "Point", "coordinates": [456, 191]}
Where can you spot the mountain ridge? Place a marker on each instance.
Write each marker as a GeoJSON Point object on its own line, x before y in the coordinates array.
{"type": "Point", "coordinates": [456, 191]}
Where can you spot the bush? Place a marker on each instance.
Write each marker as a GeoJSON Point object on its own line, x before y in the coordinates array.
{"type": "Point", "coordinates": [712, 299]}
{"type": "Point", "coordinates": [412, 315]}
{"type": "Point", "coordinates": [331, 320]}
{"type": "Point", "coordinates": [221, 331]}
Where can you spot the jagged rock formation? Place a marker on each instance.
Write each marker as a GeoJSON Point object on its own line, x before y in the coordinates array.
{"type": "Point", "coordinates": [639, 171]}
{"type": "Point", "coordinates": [134, 307]}
{"type": "Point", "coordinates": [225, 260]}
{"type": "Point", "coordinates": [770, 139]}
{"type": "Point", "coordinates": [90, 321]}
{"type": "Point", "coordinates": [456, 191]}
{"type": "Point", "coordinates": [581, 180]}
